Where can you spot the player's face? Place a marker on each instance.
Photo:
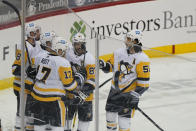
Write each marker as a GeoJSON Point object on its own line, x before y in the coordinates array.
{"type": "Point", "coordinates": [79, 48]}
{"type": "Point", "coordinates": [129, 42]}
{"type": "Point", "coordinates": [32, 34]}
{"type": "Point", "coordinates": [48, 44]}
{"type": "Point", "coordinates": [60, 52]}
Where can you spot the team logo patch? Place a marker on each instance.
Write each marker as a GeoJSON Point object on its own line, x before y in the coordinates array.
{"type": "Point", "coordinates": [137, 32]}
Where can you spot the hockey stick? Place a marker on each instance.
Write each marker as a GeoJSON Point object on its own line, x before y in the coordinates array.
{"type": "Point", "coordinates": [109, 80]}
{"type": "Point", "coordinates": [67, 117]}
{"type": "Point", "coordinates": [105, 82]}
{"type": "Point", "coordinates": [18, 14]}
{"type": "Point", "coordinates": [74, 119]}
{"type": "Point", "coordinates": [154, 123]}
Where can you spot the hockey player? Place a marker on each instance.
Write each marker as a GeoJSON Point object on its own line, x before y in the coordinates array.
{"type": "Point", "coordinates": [131, 68]}
{"type": "Point", "coordinates": [80, 59]}
{"type": "Point", "coordinates": [54, 78]}
{"type": "Point", "coordinates": [31, 48]}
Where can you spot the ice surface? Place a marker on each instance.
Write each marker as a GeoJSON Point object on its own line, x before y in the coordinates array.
{"type": "Point", "coordinates": [170, 101]}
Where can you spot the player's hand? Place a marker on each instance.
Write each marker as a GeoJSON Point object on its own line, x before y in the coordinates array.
{"type": "Point", "coordinates": [66, 100]}
{"type": "Point", "coordinates": [83, 72]}
{"type": "Point", "coordinates": [75, 67]}
{"type": "Point", "coordinates": [79, 98]}
{"type": "Point", "coordinates": [80, 76]}
{"type": "Point", "coordinates": [31, 72]}
{"type": "Point", "coordinates": [133, 100]}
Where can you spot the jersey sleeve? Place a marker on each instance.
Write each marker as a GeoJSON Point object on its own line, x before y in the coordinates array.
{"type": "Point", "coordinates": [90, 69]}
{"type": "Point", "coordinates": [67, 78]}
{"type": "Point", "coordinates": [16, 66]}
{"type": "Point", "coordinates": [109, 65]}
{"type": "Point", "coordinates": [143, 76]}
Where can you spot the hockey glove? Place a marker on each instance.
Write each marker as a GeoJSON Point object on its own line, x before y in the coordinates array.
{"type": "Point", "coordinates": [79, 98]}
{"type": "Point", "coordinates": [66, 100]}
{"type": "Point", "coordinates": [75, 67]}
{"type": "Point", "coordinates": [87, 88]}
{"type": "Point", "coordinates": [105, 66]}
{"type": "Point", "coordinates": [102, 64]}
{"type": "Point", "coordinates": [82, 71]}
{"type": "Point", "coordinates": [16, 70]}
{"type": "Point", "coordinates": [31, 72]}
{"type": "Point", "coordinates": [137, 47]}
{"type": "Point", "coordinates": [133, 100]}
{"type": "Point", "coordinates": [80, 76]}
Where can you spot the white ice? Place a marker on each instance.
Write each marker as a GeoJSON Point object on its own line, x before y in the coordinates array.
{"type": "Point", "coordinates": [170, 101]}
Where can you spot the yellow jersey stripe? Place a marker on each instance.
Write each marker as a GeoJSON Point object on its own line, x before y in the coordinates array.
{"type": "Point", "coordinates": [124, 129]}
{"type": "Point", "coordinates": [18, 89]}
{"type": "Point", "coordinates": [62, 110]}
{"type": "Point", "coordinates": [26, 81]}
{"type": "Point", "coordinates": [131, 87]}
{"type": "Point", "coordinates": [142, 85]}
{"type": "Point", "coordinates": [112, 124]}
{"type": "Point", "coordinates": [90, 97]}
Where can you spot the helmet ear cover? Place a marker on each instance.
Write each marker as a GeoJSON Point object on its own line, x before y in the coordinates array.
{"type": "Point", "coordinates": [136, 40]}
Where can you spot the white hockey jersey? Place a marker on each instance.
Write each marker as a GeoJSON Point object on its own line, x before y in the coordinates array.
{"type": "Point", "coordinates": [54, 77]}
{"type": "Point", "coordinates": [138, 65]}
{"type": "Point", "coordinates": [88, 61]}
{"type": "Point", "coordinates": [30, 52]}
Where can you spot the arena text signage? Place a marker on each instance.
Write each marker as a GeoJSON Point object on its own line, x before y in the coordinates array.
{"type": "Point", "coordinates": [162, 22]}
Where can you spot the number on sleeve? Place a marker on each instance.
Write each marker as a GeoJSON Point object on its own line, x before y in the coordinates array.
{"type": "Point", "coordinates": [67, 74]}
{"type": "Point", "coordinates": [91, 70]}
{"type": "Point", "coordinates": [146, 69]}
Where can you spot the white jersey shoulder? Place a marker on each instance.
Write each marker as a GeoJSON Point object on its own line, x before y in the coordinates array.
{"type": "Point", "coordinates": [141, 57]}
{"type": "Point", "coordinates": [72, 57]}
{"type": "Point", "coordinates": [120, 51]}
{"type": "Point", "coordinates": [32, 50]}
{"type": "Point", "coordinates": [61, 61]}
{"type": "Point", "coordinates": [89, 59]}
{"type": "Point", "coordinates": [57, 60]}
